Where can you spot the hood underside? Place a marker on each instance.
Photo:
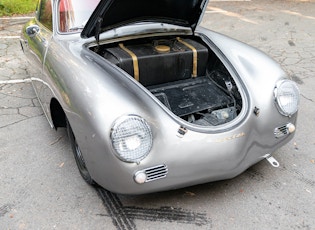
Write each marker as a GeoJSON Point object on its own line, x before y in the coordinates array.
{"type": "Point", "coordinates": [110, 14]}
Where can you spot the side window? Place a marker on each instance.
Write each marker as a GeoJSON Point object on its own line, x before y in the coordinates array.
{"type": "Point", "coordinates": [44, 13]}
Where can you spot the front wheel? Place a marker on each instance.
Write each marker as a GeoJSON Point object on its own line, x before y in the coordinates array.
{"type": "Point", "coordinates": [78, 156]}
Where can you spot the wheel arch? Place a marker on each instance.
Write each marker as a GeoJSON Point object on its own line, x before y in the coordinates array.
{"type": "Point", "coordinates": [58, 115]}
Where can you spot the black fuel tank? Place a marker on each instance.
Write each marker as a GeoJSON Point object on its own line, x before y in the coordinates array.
{"type": "Point", "coordinates": [160, 61]}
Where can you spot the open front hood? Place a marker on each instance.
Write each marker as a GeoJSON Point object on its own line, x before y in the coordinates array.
{"type": "Point", "coordinates": [110, 14]}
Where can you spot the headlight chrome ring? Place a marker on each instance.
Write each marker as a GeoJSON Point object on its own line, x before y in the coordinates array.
{"type": "Point", "coordinates": [131, 138]}
{"type": "Point", "coordinates": [287, 96]}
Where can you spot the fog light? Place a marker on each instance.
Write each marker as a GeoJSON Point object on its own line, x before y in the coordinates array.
{"type": "Point", "coordinates": [291, 128]}
{"type": "Point", "coordinates": [140, 177]}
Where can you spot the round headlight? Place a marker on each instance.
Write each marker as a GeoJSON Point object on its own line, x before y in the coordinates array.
{"type": "Point", "coordinates": [131, 138]}
{"type": "Point", "coordinates": [287, 97]}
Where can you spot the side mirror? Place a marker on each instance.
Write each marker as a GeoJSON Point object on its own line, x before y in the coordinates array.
{"type": "Point", "coordinates": [32, 31]}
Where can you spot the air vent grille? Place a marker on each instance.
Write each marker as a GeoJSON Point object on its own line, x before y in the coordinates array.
{"type": "Point", "coordinates": [156, 172]}
{"type": "Point", "coordinates": [281, 131]}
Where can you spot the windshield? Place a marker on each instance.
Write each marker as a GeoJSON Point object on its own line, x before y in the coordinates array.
{"type": "Point", "coordinates": [73, 14]}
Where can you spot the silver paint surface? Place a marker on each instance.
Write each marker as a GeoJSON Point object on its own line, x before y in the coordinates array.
{"type": "Point", "coordinates": [93, 94]}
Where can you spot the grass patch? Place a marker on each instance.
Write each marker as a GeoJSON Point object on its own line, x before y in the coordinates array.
{"type": "Point", "coordinates": [16, 7]}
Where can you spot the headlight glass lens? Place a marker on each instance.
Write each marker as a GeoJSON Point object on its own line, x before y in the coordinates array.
{"type": "Point", "coordinates": [287, 96]}
{"type": "Point", "coordinates": [131, 138]}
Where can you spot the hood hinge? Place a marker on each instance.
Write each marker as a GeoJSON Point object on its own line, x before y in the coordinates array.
{"type": "Point", "coordinates": [98, 30]}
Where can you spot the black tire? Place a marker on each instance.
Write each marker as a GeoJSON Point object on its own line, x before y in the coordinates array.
{"type": "Point", "coordinates": [78, 156]}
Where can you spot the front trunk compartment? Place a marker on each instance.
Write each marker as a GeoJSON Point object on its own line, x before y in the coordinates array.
{"type": "Point", "coordinates": [181, 72]}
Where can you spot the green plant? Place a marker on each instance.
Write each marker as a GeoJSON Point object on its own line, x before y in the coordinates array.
{"type": "Point", "coordinates": [14, 7]}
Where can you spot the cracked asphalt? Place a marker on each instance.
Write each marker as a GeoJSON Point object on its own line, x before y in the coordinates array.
{"type": "Point", "coordinates": [40, 187]}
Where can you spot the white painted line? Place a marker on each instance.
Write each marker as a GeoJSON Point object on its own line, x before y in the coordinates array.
{"type": "Point", "coordinates": [15, 81]}
{"type": "Point", "coordinates": [297, 14]}
{"type": "Point", "coordinates": [9, 37]}
{"type": "Point", "coordinates": [215, 11]}
{"type": "Point", "coordinates": [211, 10]}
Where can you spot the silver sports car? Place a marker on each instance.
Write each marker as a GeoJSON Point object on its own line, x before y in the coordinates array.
{"type": "Point", "coordinates": [151, 100]}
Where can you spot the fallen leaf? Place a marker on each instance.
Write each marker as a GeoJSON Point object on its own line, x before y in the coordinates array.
{"type": "Point", "coordinates": [22, 226]}
{"type": "Point", "coordinates": [57, 140]}
{"type": "Point", "coordinates": [190, 193]}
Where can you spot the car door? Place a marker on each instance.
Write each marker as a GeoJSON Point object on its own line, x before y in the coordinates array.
{"type": "Point", "coordinates": [36, 37]}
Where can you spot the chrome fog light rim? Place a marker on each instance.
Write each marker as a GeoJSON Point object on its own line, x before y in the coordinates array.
{"type": "Point", "coordinates": [287, 97]}
{"type": "Point", "coordinates": [131, 138]}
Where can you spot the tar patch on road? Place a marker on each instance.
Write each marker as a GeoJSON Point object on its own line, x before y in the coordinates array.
{"type": "Point", "coordinates": [123, 216]}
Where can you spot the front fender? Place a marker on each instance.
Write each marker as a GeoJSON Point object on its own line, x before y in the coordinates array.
{"type": "Point", "coordinates": [257, 71]}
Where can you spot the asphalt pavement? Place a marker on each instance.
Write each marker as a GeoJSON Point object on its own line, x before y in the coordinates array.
{"type": "Point", "coordinates": [40, 186]}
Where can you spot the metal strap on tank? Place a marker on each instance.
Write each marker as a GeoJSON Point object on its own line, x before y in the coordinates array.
{"type": "Point", "coordinates": [195, 56]}
{"type": "Point", "coordinates": [134, 60]}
